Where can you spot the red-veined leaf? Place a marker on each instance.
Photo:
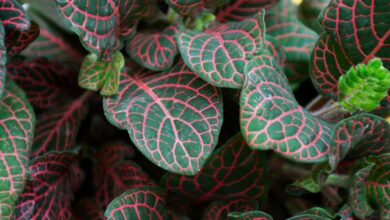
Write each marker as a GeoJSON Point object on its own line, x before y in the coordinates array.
{"type": "Point", "coordinates": [173, 118]}
{"type": "Point", "coordinates": [57, 128]}
{"type": "Point", "coordinates": [22, 39]}
{"type": "Point", "coordinates": [377, 186]}
{"type": "Point", "coordinates": [155, 51]}
{"type": "Point", "coordinates": [49, 193]}
{"type": "Point", "coordinates": [276, 49]}
{"type": "Point", "coordinates": [238, 10]}
{"type": "Point", "coordinates": [219, 54]}
{"type": "Point", "coordinates": [3, 60]}
{"type": "Point", "coordinates": [271, 118]}
{"type": "Point", "coordinates": [194, 8]}
{"type": "Point", "coordinates": [232, 171]}
{"type": "Point", "coordinates": [284, 8]}
{"type": "Point", "coordinates": [221, 208]}
{"type": "Point", "coordinates": [17, 123]}
{"type": "Point", "coordinates": [140, 203]}
{"type": "Point", "coordinates": [114, 175]}
{"type": "Point", "coordinates": [103, 25]}
{"type": "Point", "coordinates": [46, 83]}
{"type": "Point", "coordinates": [357, 136]}
{"type": "Point", "coordinates": [96, 74]}
{"type": "Point", "coordinates": [250, 215]}
{"type": "Point", "coordinates": [360, 27]}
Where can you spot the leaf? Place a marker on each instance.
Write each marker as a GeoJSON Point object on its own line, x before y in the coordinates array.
{"type": "Point", "coordinates": [57, 128]}
{"type": "Point", "coordinates": [114, 175]}
{"type": "Point", "coordinates": [22, 39]}
{"type": "Point", "coordinates": [53, 42]}
{"type": "Point", "coordinates": [3, 61]}
{"type": "Point", "coordinates": [356, 196]}
{"type": "Point", "coordinates": [194, 8]}
{"type": "Point", "coordinates": [357, 136]}
{"type": "Point", "coordinates": [155, 51]}
{"type": "Point", "coordinates": [271, 118]}
{"type": "Point", "coordinates": [309, 11]}
{"type": "Point", "coordinates": [173, 118]}
{"type": "Point", "coordinates": [315, 213]}
{"type": "Point", "coordinates": [100, 75]}
{"type": "Point", "coordinates": [17, 123]}
{"type": "Point", "coordinates": [363, 32]}
{"type": "Point", "coordinates": [48, 195]}
{"type": "Point", "coordinates": [250, 215]}
{"type": "Point", "coordinates": [232, 171]}
{"type": "Point", "coordinates": [220, 54]}
{"type": "Point", "coordinates": [276, 49]}
{"type": "Point", "coordinates": [140, 203]}
{"type": "Point", "coordinates": [46, 83]}
{"type": "Point", "coordinates": [103, 25]}
{"type": "Point", "coordinates": [296, 38]}
{"type": "Point", "coordinates": [376, 186]}
{"type": "Point", "coordinates": [221, 208]}
{"type": "Point", "coordinates": [238, 10]}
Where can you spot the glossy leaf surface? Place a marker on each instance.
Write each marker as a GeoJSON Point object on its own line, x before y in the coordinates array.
{"type": "Point", "coordinates": [17, 123]}
{"type": "Point", "coordinates": [173, 117]}
{"type": "Point", "coordinates": [219, 54]}
{"type": "Point", "coordinates": [155, 51]}
{"type": "Point", "coordinates": [221, 208]}
{"type": "Point", "coordinates": [271, 118]}
{"type": "Point", "coordinates": [232, 171]}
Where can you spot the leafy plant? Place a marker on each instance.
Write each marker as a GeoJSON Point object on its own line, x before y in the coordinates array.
{"type": "Point", "coordinates": [201, 109]}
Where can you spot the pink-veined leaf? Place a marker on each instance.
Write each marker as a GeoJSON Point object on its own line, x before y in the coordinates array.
{"type": "Point", "coordinates": [276, 49]}
{"type": "Point", "coordinates": [194, 8]}
{"type": "Point", "coordinates": [238, 10]}
{"type": "Point", "coordinates": [22, 39]}
{"type": "Point", "coordinates": [309, 11]}
{"type": "Point", "coordinates": [103, 25]}
{"type": "Point", "coordinates": [283, 8]}
{"type": "Point", "coordinates": [220, 53]}
{"type": "Point", "coordinates": [114, 174]}
{"type": "Point", "coordinates": [139, 204]}
{"type": "Point", "coordinates": [100, 75]}
{"type": "Point", "coordinates": [360, 27]}
{"type": "Point", "coordinates": [49, 193]}
{"type": "Point", "coordinates": [53, 42]}
{"type": "Point", "coordinates": [3, 60]}
{"type": "Point", "coordinates": [77, 175]}
{"type": "Point", "coordinates": [155, 51]}
{"type": "Point", "coordinates": [377, 186]}
{"type": "Point", "coordinates": [57, 128]}
{"type": "Point", "coordinates": [17, 123]}
{"type": "Point", "coordinates": [357, 136]}
{"type": "Point", "coordinates": [314, 213]}
{"type": "Point", "coordinates": [234, 170]}
{"type": "Point", "coordinates": [173, 118]}
{"type": "Point", "coordinates": [357, 199]}
{"type": "Point", "coordinates": [249, 215]}
{"type": "Point", "coordinates": [46, 83]}
{"type": "Point", "coordinates": [271, 118]}
{"type": "Point", "coordinates": [221, 208]}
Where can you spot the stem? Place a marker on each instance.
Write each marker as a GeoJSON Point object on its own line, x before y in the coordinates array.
{"type": "Point", "coordinates": [324, 108]}
{"type": "Point", "coordinates": [338, 180]}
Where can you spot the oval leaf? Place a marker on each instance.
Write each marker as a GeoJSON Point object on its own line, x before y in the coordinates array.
{"type": "Point", "coordinates": [155, 51]}
{"type": "Point", "coordinates": [220, 53]}
{"type": "Point", "coordinates": [173, 118]}
{"type": "Point", "coordinates": [17, 123]}
{"type": "Point", "coordinates": [271, 118]}
{"type": "Point", "coordinates": [232, 171]}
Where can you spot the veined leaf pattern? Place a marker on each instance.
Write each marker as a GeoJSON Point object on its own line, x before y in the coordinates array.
{"type": "Point", "coordinates": [221, 208]}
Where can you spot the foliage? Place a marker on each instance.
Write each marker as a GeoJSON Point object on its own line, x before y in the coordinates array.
{"type": "Point", "coordinates": [194, 109]}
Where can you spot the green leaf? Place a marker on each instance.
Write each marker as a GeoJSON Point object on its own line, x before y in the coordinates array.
{"type": "Point", "coordinates": [250, 215]}
{"type": "Point", "coordinates": [96, 74]}
{"type": "Point", "coordinates": [17, 123]}
{"type": "Point", "coordinates": [315, 213]}
{"type": "Point", "coordinates": [139, 203]}
{"type": "Point", "coordinates": [3, 60]}
{"type": "Point", "coordinates": [221, 208]}
{"type": "Point", "coordinates": [173, 118]}
{"type": "Point", "coordinates": [364, 86]}
{"type": "Point", "coordinates": [271, 118]}
{"type": "Point", "coordinates": [377, 186]}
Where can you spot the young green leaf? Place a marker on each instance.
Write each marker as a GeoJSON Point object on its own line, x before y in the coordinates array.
{"type": "Point", "coordinates": [17, 123]}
